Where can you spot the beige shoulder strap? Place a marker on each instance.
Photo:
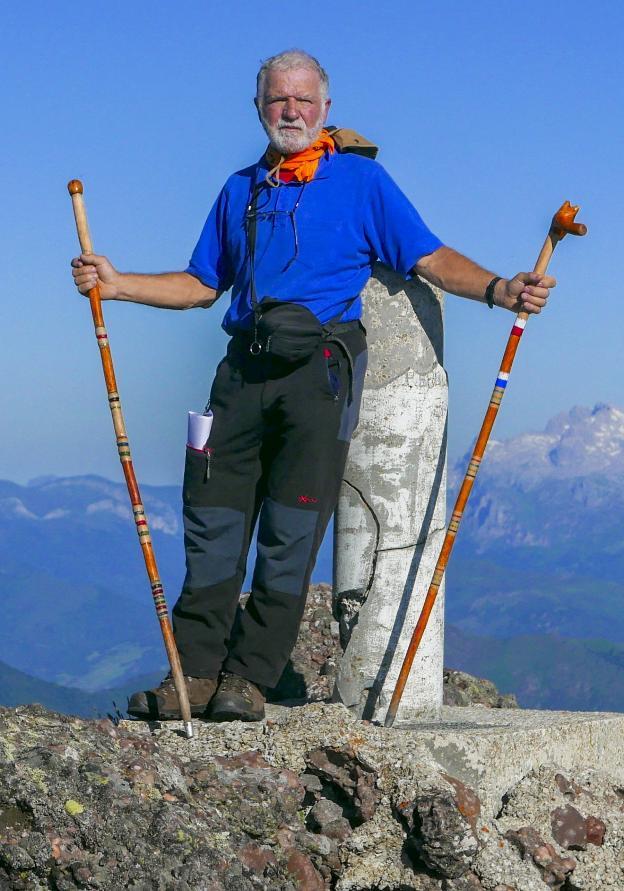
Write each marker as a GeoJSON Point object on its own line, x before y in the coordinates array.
{"type": "Point", "coordinates": [350, 141]}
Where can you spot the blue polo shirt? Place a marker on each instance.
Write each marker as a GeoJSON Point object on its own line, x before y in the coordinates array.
{"type": "Point", "coordinates": [315, 243]}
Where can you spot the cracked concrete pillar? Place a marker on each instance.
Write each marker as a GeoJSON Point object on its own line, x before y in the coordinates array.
{"type": "Point", "coordinates": [390, 519]}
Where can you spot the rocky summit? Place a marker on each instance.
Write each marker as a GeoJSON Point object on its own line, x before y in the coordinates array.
{"type": "Point", "coordinates": [309, 800]}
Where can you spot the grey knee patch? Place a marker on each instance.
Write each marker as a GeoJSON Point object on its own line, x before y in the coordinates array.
{"type": "Point", "coordinates": [351, 409]}
{"type": "Point", "coordinates": [285, 541]}
{"type": "Point", "coordinates": [213, 539]}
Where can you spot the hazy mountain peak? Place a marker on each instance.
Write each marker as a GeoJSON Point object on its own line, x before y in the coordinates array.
{"type": "Point", "coordinates": [15, 507]}
{"type": "Point", "coordinates": [576, 443]}
{"type": "Point", "coordinates": [39, 481]}
{"type": "Point", "coordinates": [85, 500]}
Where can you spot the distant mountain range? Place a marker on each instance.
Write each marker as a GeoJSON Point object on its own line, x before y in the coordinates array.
{"type": "Point", "coordinates": [541, 548]}
{"type": "Point", "coordinates": [75, 598]}
{"type": "Point", "coordinates": [535, 586]}
{"type": "Point", "coordinates": [544, 670]}
{"type": "Point", "coordinates": [76, 603]}
{"type": "Point", "coordinates": [17, 688]}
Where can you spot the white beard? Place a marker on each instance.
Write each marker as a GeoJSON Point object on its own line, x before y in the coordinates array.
{"type": "Point", "coordinates": [287, 142]}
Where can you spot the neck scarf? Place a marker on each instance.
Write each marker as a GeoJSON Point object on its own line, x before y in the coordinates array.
{"type": "Point", "coordinates": [300, 165]}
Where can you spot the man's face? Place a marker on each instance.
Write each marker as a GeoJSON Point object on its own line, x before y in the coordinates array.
{"type": "Point", "coordinates": [292, 109]}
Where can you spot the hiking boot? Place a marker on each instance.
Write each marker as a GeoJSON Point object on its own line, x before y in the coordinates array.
{"type": "Point", "coordinates": [161, 703]}
{"type": "Point", "coordinates": [237, 699]}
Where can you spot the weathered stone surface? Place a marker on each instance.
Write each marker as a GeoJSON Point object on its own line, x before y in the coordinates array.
{"type": "Point", "coordinates": [532, 802]}
{"type": "Point", "coordinates": [468, 882]}
{"type": "Point", "coordinates": [390, 516]}
{"type": "Point", "coordinates": [468, 802]}
{"type": "Point", "coordinates": [304, 873]}
{"type": "Point", "coordinates": [492, 750]}
{"type": "Point", "coordinates": [463, 689]}
{"type": "Point", "coordinates": [570, 790]}
{"type": "Point", "coordinates": [327, 817]}
{"type": "Point", "coordinates": [441, 826]}
{"type": "Point", "coordinates": [596, 829]}
{"type": "Point", "coordinates": [92, 805]}
{"type": "Point", "coordinates": [346, 776]}
{"type": "Point", "coordinates": [257, 859]}
{"type": "Point", "coordinates": [554, 869]}
{"type": "Point", "coordinates": [568, 827]}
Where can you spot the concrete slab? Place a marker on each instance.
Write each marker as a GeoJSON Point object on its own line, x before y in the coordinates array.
{"type": "Point", "coordinates": [492, 749]}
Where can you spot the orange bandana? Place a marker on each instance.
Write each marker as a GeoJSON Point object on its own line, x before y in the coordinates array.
{"type": "Point", "coordinates": [300, 165]}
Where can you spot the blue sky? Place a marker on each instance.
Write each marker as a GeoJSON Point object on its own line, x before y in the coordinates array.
{"type": "Point", "coordinates": [489, 115]}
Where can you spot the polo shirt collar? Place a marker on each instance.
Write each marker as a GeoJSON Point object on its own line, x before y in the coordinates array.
{"type": "Point", "coordinates": [323, 170]}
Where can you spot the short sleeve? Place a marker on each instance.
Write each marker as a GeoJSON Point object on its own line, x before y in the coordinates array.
{"type": "Point", "coordinates": [394, 229]}
{"type": "Point", "coordinates": [209, 262]}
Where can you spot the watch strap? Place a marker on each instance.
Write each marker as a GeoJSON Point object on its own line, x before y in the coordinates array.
{"type": "Point", "coordinates": [489, 291]}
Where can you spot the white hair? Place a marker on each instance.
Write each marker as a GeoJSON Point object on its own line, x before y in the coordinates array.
{"type": "Point", "coordinates": [294, 58]}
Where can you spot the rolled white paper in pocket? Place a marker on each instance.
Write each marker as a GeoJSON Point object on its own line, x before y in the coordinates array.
{"type": "Point", "coordinates": [198, 429]}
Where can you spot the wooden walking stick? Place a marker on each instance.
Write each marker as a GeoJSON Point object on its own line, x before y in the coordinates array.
{"type": "Point", "coordinates": [80, 214]}
{"type": "Point", "coordinates": [562, 224]}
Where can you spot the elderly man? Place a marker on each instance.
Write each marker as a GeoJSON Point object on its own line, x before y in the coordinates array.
{"type": "Point", "coordinates": [294, 236]}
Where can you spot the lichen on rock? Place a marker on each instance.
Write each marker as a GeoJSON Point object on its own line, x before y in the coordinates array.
{"type": "Point", "coordinates": [309, 800]}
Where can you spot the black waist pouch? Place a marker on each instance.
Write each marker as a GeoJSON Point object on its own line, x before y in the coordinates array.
{"type": "Point", "coordinates": [286, 330]}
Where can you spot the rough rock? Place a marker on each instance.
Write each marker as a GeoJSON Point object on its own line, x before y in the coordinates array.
{"type": "Point", "coordinates": [570, 790]}
{"type": "Point", "coordinates": [595, 830]}
{"type": "Point", "coordinates": [600, 864]}
{"type": "Point", "coordinates": [468, 882]}
{"type": "Point", "coordinates": [554, 868]}
{"type": "Point", "coordinates": [464, 689]}
{"type": "Point", "coordinates": [311, 799]}
{"type": "Point", "coordinates": [441, 827]}
{"type": "Point", "coordinates": [88, 804]}
{"type": "Point", "coordinates": [327, 817]}
{"type": "Point", "coordinates": [347, 778]}
{"type": "Point", "coordinates": [467, 801]}
{"type": "Point", "coordinates": [568, 828]}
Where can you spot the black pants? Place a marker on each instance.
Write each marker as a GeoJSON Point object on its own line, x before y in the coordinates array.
{"type": "Point", "coordinates": [278, 445]}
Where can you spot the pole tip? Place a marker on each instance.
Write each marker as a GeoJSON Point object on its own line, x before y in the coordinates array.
{"type": "Point", "coordinates": [74, 187]}
{"type": "Point", "coordinates": [188, 729]}
{"type": "Point", "coordinates": [390, 716]}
